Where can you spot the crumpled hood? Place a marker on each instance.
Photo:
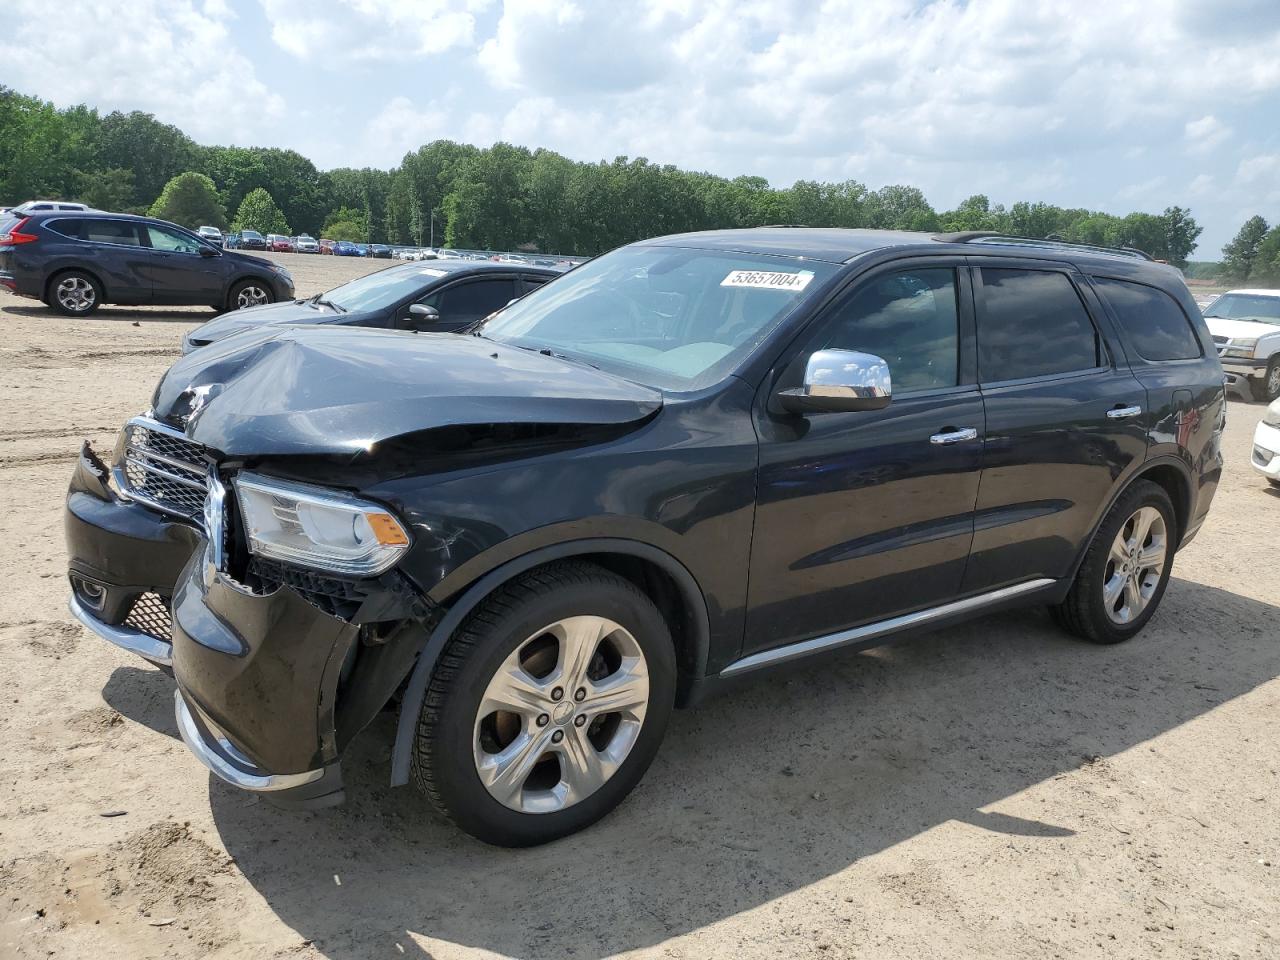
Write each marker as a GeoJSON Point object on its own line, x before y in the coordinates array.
{"type": "Point", "coordinates": [237, 321]}
{"type": "Point", "coordinates": [1240, 329]}
{"type": "Point", "coordinates": [341, 390]}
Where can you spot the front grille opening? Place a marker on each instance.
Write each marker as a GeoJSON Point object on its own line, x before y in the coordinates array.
{"type": "Point", "coordinates": [150, 615]}
{"type": "Point", "coordinates": [164, 470]}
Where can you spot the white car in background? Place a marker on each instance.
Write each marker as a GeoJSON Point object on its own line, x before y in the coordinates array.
{"type": "Point", "coordinates": [306, 244]}
{"type": "Point", "coordinates": [1266, 445]}
{"type": "Point", "coordinates": [1245, 325]}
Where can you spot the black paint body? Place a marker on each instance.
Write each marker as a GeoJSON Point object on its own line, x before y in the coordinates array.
{"type": "Point", "coordinates": [756, 527]}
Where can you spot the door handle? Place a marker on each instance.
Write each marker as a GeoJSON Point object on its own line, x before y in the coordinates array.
{"type": "Point", "coordinates": [1124, 413]}
{"type": "Point", "coordinates": [948, 437]}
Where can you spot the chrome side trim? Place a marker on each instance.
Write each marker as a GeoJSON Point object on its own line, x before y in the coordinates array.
{"type": "Point", "coordinates": [126, 638]}
{"type": "Point", "coordinates": [881, 628]}
{"type": "Point", "coordinates": [227, 763]}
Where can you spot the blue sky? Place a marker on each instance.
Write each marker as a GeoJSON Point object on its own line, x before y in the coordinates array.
{"type": "Point", "coordinates": [1115, 106]}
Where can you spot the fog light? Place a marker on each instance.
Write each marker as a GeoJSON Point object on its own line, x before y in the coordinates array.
{"type": "Point", "coordinates": [90, 594]}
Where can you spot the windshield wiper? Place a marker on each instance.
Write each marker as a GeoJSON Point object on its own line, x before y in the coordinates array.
{"type": "Point", "coordinates": [560, 356]}
{"type": "Point", "coordinates": [330, 303]}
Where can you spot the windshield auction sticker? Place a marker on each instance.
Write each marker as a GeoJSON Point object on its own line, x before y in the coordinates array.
{"type": "Point", "coordinates": [767, 280]}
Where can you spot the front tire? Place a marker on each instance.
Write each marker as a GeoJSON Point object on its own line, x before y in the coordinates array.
{"type": "Point", "coordinates": [547, 705]}
{"type": "Point", "coordinates": [1124, 574]}
{"type": "Point", "coordinates": [249, 293]}
{"type": "Point", "coordinates": [74, 294]}
{"type": "Point", "coordinates": [1267, 388]}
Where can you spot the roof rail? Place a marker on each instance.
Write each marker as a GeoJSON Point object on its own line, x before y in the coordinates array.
{"type": "Point", "coordinates": [989, 236]}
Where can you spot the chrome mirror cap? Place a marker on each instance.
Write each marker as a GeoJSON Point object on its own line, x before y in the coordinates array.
{"type": "Point", "coordinates": [838, 380]}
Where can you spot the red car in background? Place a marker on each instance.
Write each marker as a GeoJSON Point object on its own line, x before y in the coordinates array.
{"type": "Point", "coordinates": [279, 244]}
{"type": "Point", "coordinates": [326, 246]}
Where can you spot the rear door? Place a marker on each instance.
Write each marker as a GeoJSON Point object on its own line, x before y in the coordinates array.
{"type": "Point", "coordinates": [1065, 420]}
{"type": "Point", "coordinates": [179, 273]}
{"type": "Point", "coordinates": [114, 250]}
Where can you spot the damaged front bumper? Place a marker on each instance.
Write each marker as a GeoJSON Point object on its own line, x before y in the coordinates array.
{"type": "Point", "coordinates": [272, 685]}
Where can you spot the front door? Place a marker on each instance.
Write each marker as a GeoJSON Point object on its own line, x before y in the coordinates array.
{"type": "Point", "coordinates": [180, 275]}
{"type": "Point", "coordinates": [1065, 420]}
{"type": "Point", "coordinates": [861, 516]}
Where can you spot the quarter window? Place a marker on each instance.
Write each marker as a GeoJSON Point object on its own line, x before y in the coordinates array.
{"type": "Point", "coordinates": [66, 227]}
{"type": "Point", "coordinates": [1033, 324]}
{"type": "Point", "coordinates": [1156, 326]}
{"type": "Point", "coordinates": [908, 319]}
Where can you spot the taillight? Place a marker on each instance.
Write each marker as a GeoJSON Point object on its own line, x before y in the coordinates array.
{"type": "Point", "coordinates": [15, 235]}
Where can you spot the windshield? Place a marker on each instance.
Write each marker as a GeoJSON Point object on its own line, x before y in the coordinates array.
{"type": "Point", "coordinates": [382, 289]}
{"type": "Point", "coordinates": [253, 234]}
{"type": "Point", "coordinates": [664, 316]}
{"type": "Point", "coordinates": [1244, 306]}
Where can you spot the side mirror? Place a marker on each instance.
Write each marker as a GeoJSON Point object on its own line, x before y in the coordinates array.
{"type": "Point", "coordinates": [840, 380]}
{"type": "Point", "coordinates": [424, 313]}
{"type": "Point", "coordinates": [207, 251]}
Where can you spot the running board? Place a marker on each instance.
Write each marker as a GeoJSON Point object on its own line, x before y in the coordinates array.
{"type": "Point", "coordinates": [882, 628]}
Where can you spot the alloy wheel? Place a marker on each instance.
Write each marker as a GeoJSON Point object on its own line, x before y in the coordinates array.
{"type": "Point", "coordinates": [76, 294]}
{"type": "Point", "coordinates": [1273, 381]}
{"type": "Point", "coordinates": [251, 296]}
{"type": "Point", "coordinates": [561, 714]}
{"type": "Point", "coordinates": [1135, 565]}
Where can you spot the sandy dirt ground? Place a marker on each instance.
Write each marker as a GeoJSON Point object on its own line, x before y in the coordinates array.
{"type": "Point", "coordinates": [992, 790]}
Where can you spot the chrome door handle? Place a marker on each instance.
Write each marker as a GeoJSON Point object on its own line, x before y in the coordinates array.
{"type": "Point", "coordinates": [1123, 413]}
{"type": "Point", "coordinates": [954, 436]}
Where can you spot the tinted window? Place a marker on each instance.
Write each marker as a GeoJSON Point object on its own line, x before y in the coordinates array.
{"type": "Point", "coordinates": [1033, 324]}
{"type": "Point", "coordinates": [66, 227]}
{"type": "Point", "coordinates": [908, 319]}
{"type": "Point", "coordinates": [111, 231]}
{"type": "Point", "coordinates": [1156, 325]}
{"type": "Point", "coordinates": [472, 300]}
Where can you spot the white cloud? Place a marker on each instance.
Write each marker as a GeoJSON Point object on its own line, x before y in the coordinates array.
{"type": "Point", "coordinates": [372, 31]}
{"type": "Point", "coordinates": [400, 127]}
{"type": "Point", "coordinates": [1206, 133]}
{"type": "Point", "coordinates": [168, 57]}
{"type": "Point", "coordinates": [1265, 166]}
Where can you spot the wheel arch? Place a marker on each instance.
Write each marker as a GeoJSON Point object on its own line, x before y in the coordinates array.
{"type": "Point", "coordinates": [662, 577]}
{"type": "Point", "coordinates": [240, 278]}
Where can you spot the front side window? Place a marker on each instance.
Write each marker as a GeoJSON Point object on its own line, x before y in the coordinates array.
{"type": "Point", "coordinates": [472, 300]}
{"type": "Point", "coordinates": [908, 319]}
{"type": "Point", "coordinates": [112, 231]}
{"type": "Point", "coordinates": [671, 317]}
{"type": "Point", "coordinates": [1033, 324]}
{"type": "Point", "coordinates": [171, 241]}
{"type": "Point", "coordinates": [1156, 326]}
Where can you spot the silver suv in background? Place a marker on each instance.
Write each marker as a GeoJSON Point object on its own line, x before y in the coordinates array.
{"type": "Point", "coordinates": [1245, 325]}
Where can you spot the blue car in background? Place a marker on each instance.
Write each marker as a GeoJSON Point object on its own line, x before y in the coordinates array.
{"type": "Point", "coordinates": [345, 248]}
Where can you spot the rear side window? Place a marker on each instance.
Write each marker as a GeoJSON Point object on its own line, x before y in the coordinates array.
{"type": "Point", "coordinates": [1033, 325]}
{"type": "Point", "coordinates": [1156, 325]}
{"type": "Point", "coordinates": [111, 231]}
{"type": "Point", "coordinates": [472, 300]}
{"type": "Point", "coordinates": [66, 226]}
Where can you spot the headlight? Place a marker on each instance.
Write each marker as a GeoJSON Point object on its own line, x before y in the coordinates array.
{"type": "Point", "coordinates": [1241, 348]}
{"type": "Point", "coordinates": [1272, 415]}
{"type": "Point", "coordinates": [322, 529]}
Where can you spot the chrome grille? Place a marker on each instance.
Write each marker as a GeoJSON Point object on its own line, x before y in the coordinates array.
{"type": "Point", "coordinates": [150, 615]}
{"type": "Point", "coordinates": [164, 469]}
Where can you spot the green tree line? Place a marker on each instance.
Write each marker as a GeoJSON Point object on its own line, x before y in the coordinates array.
{"type": "Point", "coordinates": [1253, 255]}
{"type": "Point", "coordinates": [503, 197]}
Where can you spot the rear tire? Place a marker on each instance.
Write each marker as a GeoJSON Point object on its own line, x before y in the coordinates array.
{"type": "Point", "coordinates": [1119, 585]}
{"type": "Point", "coordinates": [585, 663]}
{"type": "Point", "coordinates": [249, 293]}
{"type": "Point", "coordinates": [1268, 388]}
{"type": "Point", "coordinates": [74, 293]}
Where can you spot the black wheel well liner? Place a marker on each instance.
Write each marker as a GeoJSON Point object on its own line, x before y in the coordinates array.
{"type": "Point", "coordinates": [54, 275]}
{"type": "Point", "coordinates": [662, 577]}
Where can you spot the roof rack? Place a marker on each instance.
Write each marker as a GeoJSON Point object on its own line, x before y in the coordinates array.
{"type": "Point", "coordinates": [987, 236]}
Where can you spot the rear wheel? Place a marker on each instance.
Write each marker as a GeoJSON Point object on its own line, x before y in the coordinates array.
{"type": "Point", "coordinates": [74, 294]}
{"type": "Point", "coordinates": [547, 706]}
{"type": "Point", "coordinates": [1124, 574]}
{"type": "Point", "coordinates": [1267, 388]}
{"type": "Point", "coordinates": [249, 293]}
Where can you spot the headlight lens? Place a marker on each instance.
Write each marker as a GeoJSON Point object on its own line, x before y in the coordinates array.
{"type": "Point", "coordinates": [1240, 348]}
{"type": "Point", "coordinates": [318, 528]}
{"type": "Point", "coordinates": [1272, 416]}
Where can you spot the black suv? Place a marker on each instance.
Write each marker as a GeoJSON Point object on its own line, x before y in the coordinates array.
{"type": "Point", "coordinates": [75, 262]}
{"type": "Point", "coordinates": [689, 459]}
{"type": "Point", "coordinates": [441, 296]}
